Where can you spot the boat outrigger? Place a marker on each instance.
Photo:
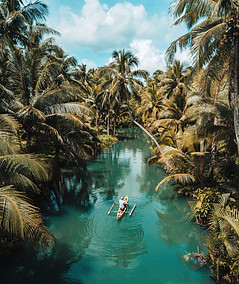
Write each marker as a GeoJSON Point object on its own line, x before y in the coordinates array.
{"type": "Point", "coordinates": [120, 212]}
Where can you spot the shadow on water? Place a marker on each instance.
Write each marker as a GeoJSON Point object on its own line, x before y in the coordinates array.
{"type": "Point", "coordinates": [27, 266]}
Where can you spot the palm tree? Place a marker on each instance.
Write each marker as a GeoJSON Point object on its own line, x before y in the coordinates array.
{"type": "Point", "coordinates": [173, 81]}
{"type": "Point", "coordinates": [213, 42]}
{"type": "Point", "coordinates": [186, 156]}
{"type": "Point", "coordinates": [50, 105]}
{"type": "Point", "coordinates": [18, 216]}
{"type": "Point", "coordinates": [151, 103]}
{"type": "Point", "coordinates": [124, 81]}
{"type": "Point", "coordinates": [15, 18]}
{"type": "Point", "coordinates": [222, 241]}
{"type": "Point", "coordinates": [86, 78]}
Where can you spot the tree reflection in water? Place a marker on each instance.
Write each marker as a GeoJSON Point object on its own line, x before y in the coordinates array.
{"type": "Point", "coordinates": [29, 267]}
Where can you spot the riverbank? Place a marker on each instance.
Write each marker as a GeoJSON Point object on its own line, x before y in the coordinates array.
{"type": "Point", "coordinates": [106, 140]}
{"type": "Point", "coordinates": [215, 209]}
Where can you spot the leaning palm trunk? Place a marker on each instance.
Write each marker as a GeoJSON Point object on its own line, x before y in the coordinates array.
{"type": "Point", "coordinates": [145, 130]}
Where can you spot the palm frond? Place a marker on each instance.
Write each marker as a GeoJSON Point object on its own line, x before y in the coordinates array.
{"type": "Point", "coordinates": [24, 164]}
{"type": "Point", "coordinates": [60, 95]}
{"type": "Point", "coordinates": [182, 178]}
{"type": "Point", "coordinates": [64, 119]}
{"type": "Point", "coordinates": [5, 145]}
{"type": "Point", "coordinates": [9, 123]}
{"type": "Point", "coordinates": [22, 219]}
{"type": "Point", "coordinates": [71, 107]}
{"type": "Point", "coordinates": [22, 182]}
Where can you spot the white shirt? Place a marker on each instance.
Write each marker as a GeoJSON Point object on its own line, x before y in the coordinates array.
{"type": "Point", "coordinates": [122, 203]}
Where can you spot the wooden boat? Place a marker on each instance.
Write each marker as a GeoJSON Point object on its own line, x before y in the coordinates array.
{"type": "Point", "coordinates": [120, 213]}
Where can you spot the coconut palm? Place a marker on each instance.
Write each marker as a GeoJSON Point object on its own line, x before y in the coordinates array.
{"type": "Point", "coordinates": [85, 78]}
{"type": "Point", "coordinates": [172, 115]}
{"type": "Point", "coordinates": [186, 156]}
{"type": "Point", "coordinates": [173, 81]}
{"type": "Point", "coordinates": [50, 105]}
{"type": "Point", "coordinates": [151, 103]}
{"type": "Point", "coordinates": [222, 241]}
{"type": "Point", "coordinates": [22, 172]}
{"type": "Point", "coordinates": [15, 18]}
{"type": "Point", "coordinates": [124, 81]}
{"type": "Point", "coordinates": [20, 218]}
{"type": "Point", "coordinates": [213, 41]}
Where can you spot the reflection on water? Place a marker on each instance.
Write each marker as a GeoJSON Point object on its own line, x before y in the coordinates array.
{"type": "Point", "coordinates": [93, 247]}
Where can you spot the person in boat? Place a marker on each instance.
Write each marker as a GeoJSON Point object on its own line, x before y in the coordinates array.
{"type": "Point", "coordinates": [126, 198]}
{"type": "Point", "coordinates": [123, 202]}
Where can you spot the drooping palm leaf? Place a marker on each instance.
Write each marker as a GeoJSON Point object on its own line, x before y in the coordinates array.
{"type": "Point", "coordinates": [22, 219]}
{"type": "Point", "coordinates": [182, 178]}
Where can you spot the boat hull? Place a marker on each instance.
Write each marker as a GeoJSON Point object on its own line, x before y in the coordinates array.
{"type": "Point", "coordinates": [120, 213]}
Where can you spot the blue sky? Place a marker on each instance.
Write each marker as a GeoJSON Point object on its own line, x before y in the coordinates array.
{"type": "Point", "coordinates": [92, 29]}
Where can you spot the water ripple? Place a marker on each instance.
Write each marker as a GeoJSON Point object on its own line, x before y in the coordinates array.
{"type": "Point", "coordinates": [117, 239]}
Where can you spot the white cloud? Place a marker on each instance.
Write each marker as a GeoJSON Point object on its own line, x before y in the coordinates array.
{"type": "Point", "coordinates": [89, 64]}
{"type": "Point", "coordinates": [150, 58]}
{"type": "Point", "coordinates": [184, 56]}
{"type": "Point", "coordinates": [100, 28]}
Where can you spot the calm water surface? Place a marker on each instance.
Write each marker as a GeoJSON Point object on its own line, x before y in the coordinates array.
{"type": "Point", "coordinates": [93, 247]}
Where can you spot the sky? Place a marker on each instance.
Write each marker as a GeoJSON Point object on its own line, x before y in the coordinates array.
{"type": "Point", "coordinates": [92, 29]}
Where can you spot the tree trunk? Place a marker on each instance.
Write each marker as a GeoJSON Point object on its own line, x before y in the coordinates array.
{"type": "Point", "coordinates": [145, 131]}
{"type": "Point", "coordinates": [236, 87]}
{"type": "Point", "coordinates": [108, 124]}
{"type": "Point", "coordinates": [29, 142]}
{"type": "Point", "coordinates": [96, 120]}
{"type": "Point", "coordinates": [114, 127]}
{"type": "Point", "coordinates": [55, 178]}
{"type": "Point", "coordinates": [149, 135]}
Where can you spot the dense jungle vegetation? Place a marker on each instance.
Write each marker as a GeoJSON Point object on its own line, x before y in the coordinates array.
{"type": "Point", "coordinates": [53, 109]}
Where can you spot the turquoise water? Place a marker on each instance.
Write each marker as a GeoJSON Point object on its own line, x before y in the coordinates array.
{"type": "Point", "coordinates": [93, 247]}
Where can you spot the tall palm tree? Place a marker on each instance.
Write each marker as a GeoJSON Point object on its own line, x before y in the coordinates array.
{"type": "Point", "coordinates": [173, 81]}
{"type": "Point", "coordinates": [213, 40]}
{"type": "Point", "coordinates": [124, 81]}
{"type": "Point", "coordinates": [15, 18]}
{"type": "Point", "coordinates": [50, 105]}
{"type": "Point", "coordinates": [151, 103]}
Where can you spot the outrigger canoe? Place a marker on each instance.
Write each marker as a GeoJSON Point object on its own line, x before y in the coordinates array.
{"type": "Point", "coordinates": [120, 213]}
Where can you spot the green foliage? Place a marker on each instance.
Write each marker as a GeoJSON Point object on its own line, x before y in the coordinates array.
{"type": "Point", "coordinates": [202, 207]}
{"type": "Point", "coordinates": [107, 140]}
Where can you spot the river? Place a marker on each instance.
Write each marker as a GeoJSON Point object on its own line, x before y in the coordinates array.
{"type": "Point", "coordinates": [93, 247]}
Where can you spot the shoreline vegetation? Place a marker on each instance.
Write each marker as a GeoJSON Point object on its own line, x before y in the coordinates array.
{"type": "Point", "coordinates": [55, 113]}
